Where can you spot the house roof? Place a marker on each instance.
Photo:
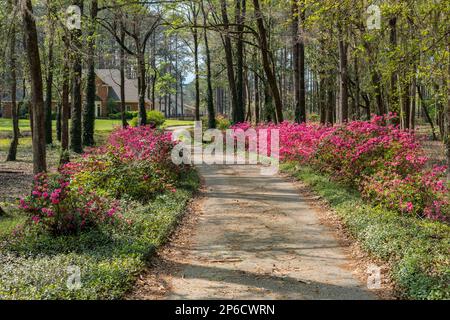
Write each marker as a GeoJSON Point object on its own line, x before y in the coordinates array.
{"type": "Point", "coordinates": [111, 77]}
{"type": "Point", "coordinates": [6, 97]}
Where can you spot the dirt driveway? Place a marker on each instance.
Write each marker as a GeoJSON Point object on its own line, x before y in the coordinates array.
{"type": "Point", "coordinates": [252, 237]}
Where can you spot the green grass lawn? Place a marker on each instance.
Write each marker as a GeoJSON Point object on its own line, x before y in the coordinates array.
{"type": "Point", "coordinates": [100, 124]}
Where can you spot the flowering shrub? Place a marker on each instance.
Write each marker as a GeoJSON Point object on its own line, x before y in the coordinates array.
{"type": "Point", "coordinates": [359, 149]}
{"type": "Point", "coordinates": [62, 209]}
{"type": "Point", "coordinates": [385, 163]}
{"type": "Point", "coordinates": [422, 193]}
{"type": "Point", "coordinates": [135, 163]}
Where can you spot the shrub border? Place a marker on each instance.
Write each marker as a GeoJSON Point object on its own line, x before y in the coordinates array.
{"type": "Point", "coordinates": [417, 250]}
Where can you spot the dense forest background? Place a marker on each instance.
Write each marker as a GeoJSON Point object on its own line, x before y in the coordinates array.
{"type": "Point", "coordinates": [258, 60]}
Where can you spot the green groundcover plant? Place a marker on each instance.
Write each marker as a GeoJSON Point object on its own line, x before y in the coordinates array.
{"type": "Point", "coordinates": [96, 221]}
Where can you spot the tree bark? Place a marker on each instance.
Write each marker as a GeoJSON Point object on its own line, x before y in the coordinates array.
{"type": "Point", "coordinates": [76, 126]}
{"type": "Point", "coordinates": [256, 92]}
{"type": "Point", "coordinates": [12, 152]}
{"type": "Point", "coordinates": [426, 113]}
{"type": "Point", "coordinates": [298, 56]}
{"type": "Point", "coordinates": [229, 57]}
{"type": "Point", "coordinates": [58, 122]}
{"type": "Point", "coordinates": [268, 70]}
{"type": "Point", "coordinates": [239, 115]}
{"type": "Point", "coordinates": [49, 87]}
{"type": "Point", "coordinates": [142, 86]}
{"type": "Point", "coordinates": [65, 106]}
{"type": "Point", "coordinates": [37, 100]}
{"type": "Point", "coordinates": [197, 75]}
{"type": "Point", "coordinates": [393, 84]}
{"type": "Point", "coordinates": [89, 105]}
{"type": "Point", "coordinates": [343, 80]}
{"type": "Point", "coordinates": [209, 95]}
{"type": "Point", "coordinates": [448, 111]}
{"type": "Point", "coordinates": [122, 81]}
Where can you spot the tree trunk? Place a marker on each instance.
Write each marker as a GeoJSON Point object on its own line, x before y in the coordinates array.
{"type": "Point", "coordinates": [343, 80]}
{"type": "Point", "coordinates": [257, 103]}
{"type": "Point", "coordinates": [239, 115]}
{"type": "Point", "coordinates": [412, 114]}
{"type": "Point", "coordinates": [122, 80]}
{"type": "Point", "coordinates": [298, 56]}
{"type": "Point", "coordinates": [271, 78]}
{"type": "Point", "coordinates": [181, 96]}
{"type": "Point", "coordinates": [12, 153]}
{"type": "Point", "coordinates": [65, 107]}
{"type": "Point", "coordinates": [322, 100]}
{"type": "Point", "coordinates": [37, 101]}
{"type": "Point", "coordinates": [426, 112]}
{"type": "Point", "coordinates": [142, 86]}
{"type": "Point", "coordinates": [448, 111]}
{"type": "Point", "coordinates": [209, 95]}
{"type": "Point", "coordinates": [229, 57]}
{"type": "Point", "coordinates": [49, 87]}
{"type": "Point", "coordinates": [197, 75]}
{"type": "Point", "coordinates": [75, 114]}
{"type": "Point", "coordinates": [393, 84]}
{"type": "Point", "coordinates": [89, 105]}
{"type": "Point", "coordinates": [58, 122]}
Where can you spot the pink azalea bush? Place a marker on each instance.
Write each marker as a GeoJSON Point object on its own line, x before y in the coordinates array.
{"type": "Point", "coordinates": [135, 163]}
{"type": "Point", "coordinates": [385, 163]}
{"type": "Point", "coordinates": [62, 209]}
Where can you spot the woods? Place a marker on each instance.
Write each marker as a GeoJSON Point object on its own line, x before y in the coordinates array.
{"type": "Point", "coordinates": [353, 95]}
{"type": "Point", "coordinates": [338, 61]}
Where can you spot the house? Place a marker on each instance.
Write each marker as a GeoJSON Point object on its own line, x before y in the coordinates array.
{"type": "Point", "coordinates": [5, 106]}
{"type": "Point", "coordinates": [107, 82]}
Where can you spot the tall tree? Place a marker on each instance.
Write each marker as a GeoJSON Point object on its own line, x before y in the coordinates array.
{"type": "Point", "coordinates": [298, 60]}
{"type": "Point", "coordinates": [122, 80]}
{"type": "Point", "coordinates": [37, 100]}
{"type": "Point", "coordinates": [12, 153]}
{"type": "Point", "coordinates": [209, 95]}
{"type": "Point", "coordinates": [65, 105]}
{"type": "Point", "coordinates": [240, 11]}
{"type": "Point", "coordinates": [89, 105]}
{"type": "Point", "coordinates": [268, 67]}
{"type": "Point", "coordinates": [343, 79]}
{"type": "Point", "coordinates": [229, 56]}
{"type": "Point", "coordinates": [139, 24]}
{"type": "Point", "coordinates": [49, 76]}
{"type": "Point", "coordinates": [75, 114]}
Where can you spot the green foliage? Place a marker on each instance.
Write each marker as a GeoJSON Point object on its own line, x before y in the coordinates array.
{"type": "Point", "coordinates": [222, 122]}
{"type": "Point", "coordinates": [155, 117]}
{"type": "Point", "coordinates": [417, 250]}
{"type": "Point", "coordinates": [134, 122]}
{"type": "Point", "coordinates": [117, 116]}
{"type": "Point", "coordinates": [139, 180]}
{"type": "Point", "coordinates": [112, 106]}
{"type": "Point", "coordinates": [35, 265]}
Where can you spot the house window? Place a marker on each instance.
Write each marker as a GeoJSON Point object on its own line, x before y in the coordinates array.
{"type": "Point", "coordinates": [98, 109]}
{"type": "Point", "coordinates": [128, 107]}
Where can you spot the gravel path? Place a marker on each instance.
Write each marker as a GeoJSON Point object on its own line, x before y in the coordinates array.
{"type": "Point", "coordinates": [254, 238]}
